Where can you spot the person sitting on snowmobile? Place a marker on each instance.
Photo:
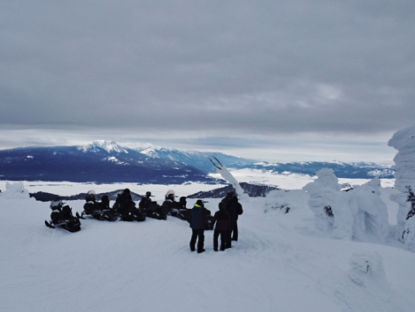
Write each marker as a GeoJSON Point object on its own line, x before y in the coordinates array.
{"type": "Point", "coordinates": [125, 206]}
{"type": "Point", "coordinates": [181, 211]}
{"type": "Point", "coordinates": [98, 210]}
{"type": "Point", "coordinates": [90, 205]}
{"type": "Point", "coordinates": [176, 207]}
{"type": "Point", "coordinates": [104, 211]}
{"type": "Point", "coordinates": [169, 203]}
{"type": "Point", "coordinates": [105, 202]}
{"type": "Point", "coordinates": [149, 207]}
{"type": "Point", "coordinates": [145, 203]}
{"type": "Point", "coordinates": [62, 216]}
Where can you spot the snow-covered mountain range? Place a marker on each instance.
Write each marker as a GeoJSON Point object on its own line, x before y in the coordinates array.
{"type": "Point", "coordinates": [105, 161]}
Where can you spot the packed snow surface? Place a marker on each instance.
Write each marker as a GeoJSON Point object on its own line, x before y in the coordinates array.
{"type": "Point", "coordinates": [280, 263]}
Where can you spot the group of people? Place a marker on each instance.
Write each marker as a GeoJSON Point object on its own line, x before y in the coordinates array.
{"type": "Point", "coordinates": [225, 223]}
{"type": "Point", "coordinates": [125, 208]}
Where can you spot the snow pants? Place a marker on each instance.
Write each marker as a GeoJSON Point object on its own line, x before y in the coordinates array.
{"type": "Point", "coordinates": [200, 236]}
{"type": "Point", "coordinates": [234, 231]}
{"type": "Point", "coordinates": [223, 239]}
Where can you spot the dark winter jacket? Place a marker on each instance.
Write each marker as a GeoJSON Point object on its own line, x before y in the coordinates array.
{"type": "Point", "coordinates": [199, 217]}
{"type": "Point", "coordinates": [103, 204]}
{"type": "Point", "coordinates": [222, 220]}
{"type": "Point", "coordinates": [145, 204]}
{"type": "Point", "coordinates": [124, 202]}
{"type": "Point", "coordinates": [231, 205]}
{"type": "Point", "coordinates": [168, 205]}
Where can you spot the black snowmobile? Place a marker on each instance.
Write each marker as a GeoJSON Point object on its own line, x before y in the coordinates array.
{"type": "Point", "coordinates": [98, 210]}
{"type": "Point", "coordinates": [180, 211]}
{"type": "Point", "coordinates": [150, 208]}
{"type": "Point", "coordinates": [61, 216]}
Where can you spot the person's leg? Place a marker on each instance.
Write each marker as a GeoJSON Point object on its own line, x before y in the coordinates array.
{"type": "Point", "coordinates": [228, 235]}
{"type": "Point", "coordinates": [193, 240]}
{"type": "Point", "coordinates": [235, 231]}
{"type": "Point", "coordinates": [222, 240]}
{"type": "Point", "coordinates": [215, 240]}
{"type": "Point", "coordinates": [201, 241]}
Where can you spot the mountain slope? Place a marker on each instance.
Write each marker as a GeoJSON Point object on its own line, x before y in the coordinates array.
{"type": "Point", "coordinates": [104, 161]}
{"type": "Point", "coordinates": [99, 162]}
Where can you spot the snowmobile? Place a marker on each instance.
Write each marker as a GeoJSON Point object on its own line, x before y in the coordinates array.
{"type": "Point", "coordinates": [133, 215]}
{"type": "Point", "coordinates": [154, 211]}
{"type": "Point", "coordinates": [98, 210]}
{"type": "Point", "coordinates": [61, 216]}
{"type": "Point", "coordinates": [180, 211]}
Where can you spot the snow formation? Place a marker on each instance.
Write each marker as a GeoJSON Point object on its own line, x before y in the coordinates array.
{"type": "Point", "coordinates": [358, 214]}
{"type": "Point", "coordinates": [15, 190]}
{"type": "Point", "coordinates": [404, 142]}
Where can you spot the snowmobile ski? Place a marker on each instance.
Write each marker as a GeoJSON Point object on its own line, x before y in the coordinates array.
{"type": "Point", "coordinates": [49, 225]}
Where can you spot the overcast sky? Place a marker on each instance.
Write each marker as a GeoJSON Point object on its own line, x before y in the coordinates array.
{"type": "Point", "coordinates": [278, 79]}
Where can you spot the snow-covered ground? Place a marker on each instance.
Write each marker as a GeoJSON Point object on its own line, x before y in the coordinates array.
{"type": "Point", "coordinates": [280, 263]}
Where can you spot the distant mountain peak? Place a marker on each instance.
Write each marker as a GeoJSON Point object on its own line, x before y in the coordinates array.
{"type": "Point", "coordinates": [100, 145]}
{"type": "Point", "coordinates": [150, 151]}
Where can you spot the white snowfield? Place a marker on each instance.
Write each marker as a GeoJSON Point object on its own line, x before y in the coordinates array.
{"type": "Point", "coordinates": [280, 263]}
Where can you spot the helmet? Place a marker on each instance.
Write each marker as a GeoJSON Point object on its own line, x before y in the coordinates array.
{"type": "Point", "coordinates": [56, 204]}
{"type": "Point", "coordinates": [170, 194]}
{"type": "Point", "coordinates": [148, 194]}
{"type": "Point", "coordinates": [90, 196]}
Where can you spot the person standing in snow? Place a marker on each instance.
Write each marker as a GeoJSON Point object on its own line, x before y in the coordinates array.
{"type": "Point", "coordinates": [198, 221]}
{"type": "Point", "coordinates": [221, 221]}
{"type": "Point", "coordinates": [231, 205]}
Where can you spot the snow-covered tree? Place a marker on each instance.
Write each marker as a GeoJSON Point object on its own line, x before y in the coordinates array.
{"type": "Point", "coordinates": [357, 214]}
{"type": "Point", "coordinates": [15, 189]}
{"type": "Point", "coordinates": [370, 214]}
{"type": "Point", "coordinates": [404, 142]}
{"type": "Point", "coordinates": [328, 204]}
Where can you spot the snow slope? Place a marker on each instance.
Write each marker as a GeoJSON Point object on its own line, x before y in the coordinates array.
{"type": "Point", "coordinates": [280, 263]}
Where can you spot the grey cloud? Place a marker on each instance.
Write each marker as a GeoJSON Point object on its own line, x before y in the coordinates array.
{"type": "Point", "coordinates": [208, 66]}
